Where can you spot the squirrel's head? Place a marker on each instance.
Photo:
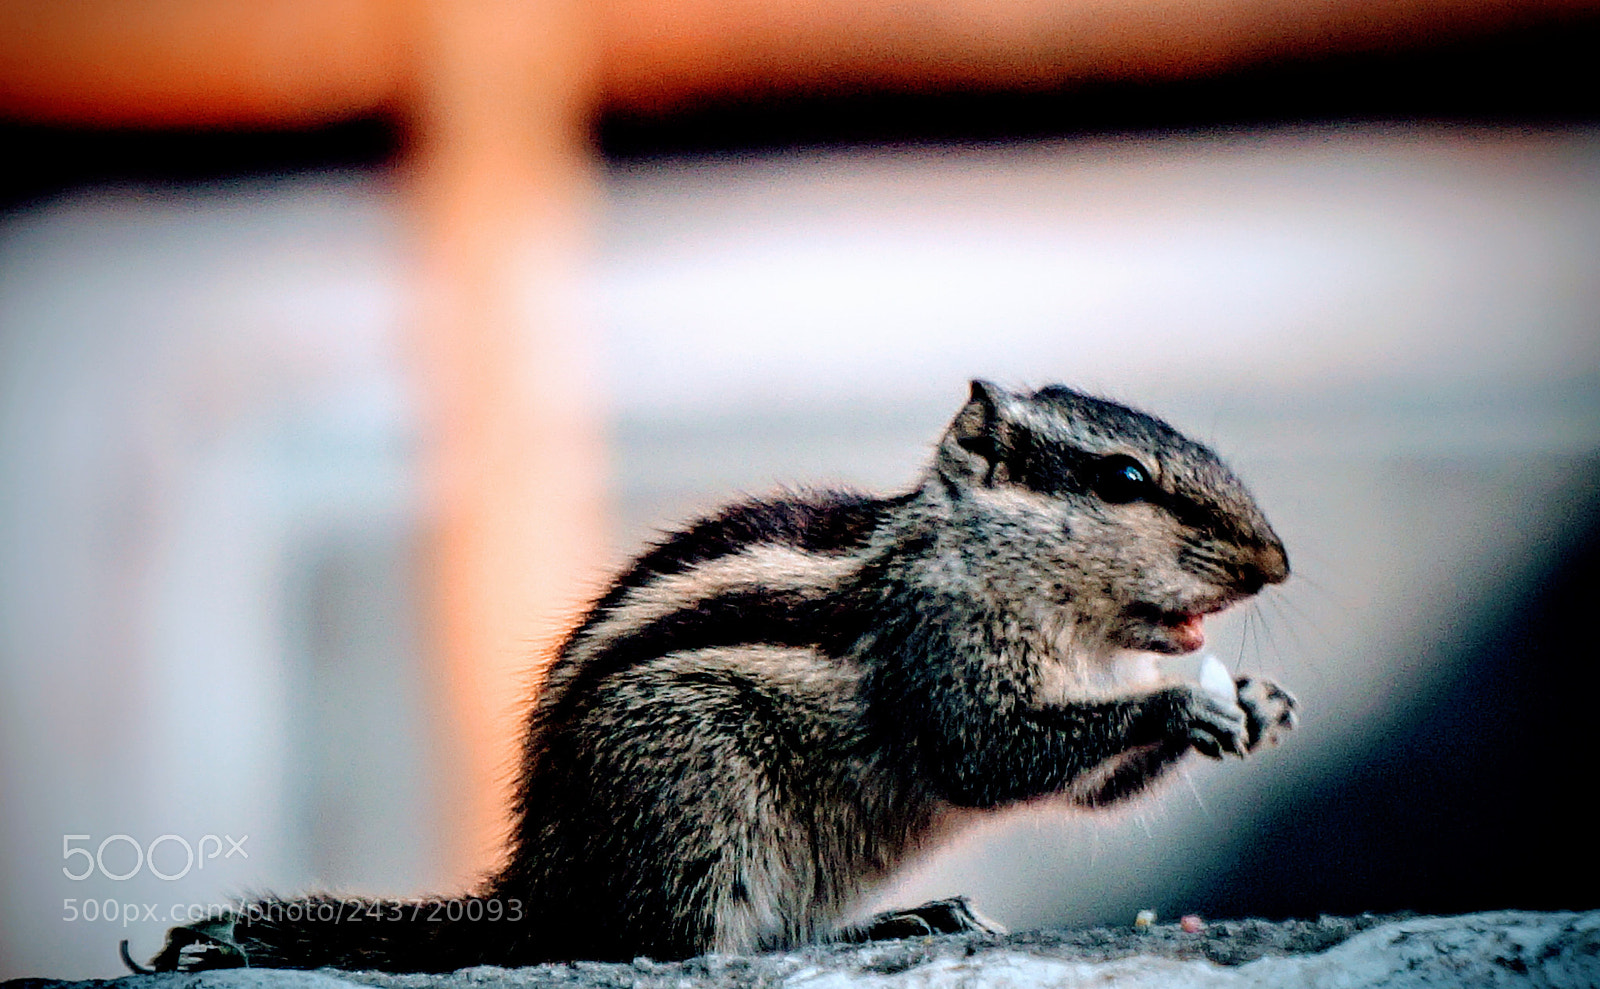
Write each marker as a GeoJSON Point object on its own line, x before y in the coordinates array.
{"type": "Point", "coordinates": [1131, 528]}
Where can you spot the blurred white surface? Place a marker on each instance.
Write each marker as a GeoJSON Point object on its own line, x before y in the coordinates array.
{"type": "Point", "coordinates": [1319, 259]}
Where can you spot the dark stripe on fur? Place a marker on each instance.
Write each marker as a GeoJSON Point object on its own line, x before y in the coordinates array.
{"type": "Point", "coordinates": [817, 522]}
{"type": "Point", "coordinates": [764, 617]}
{"type": "Point", "coordinates": [833, 624]}
{"type": "Point", "coordinates": [828, 522]}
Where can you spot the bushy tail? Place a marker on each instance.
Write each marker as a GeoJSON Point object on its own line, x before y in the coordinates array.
{"type": "Point", "coordinates": [419, 935]}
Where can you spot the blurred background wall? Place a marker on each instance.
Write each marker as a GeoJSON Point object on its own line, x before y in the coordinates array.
{"type": "Point", "coordinates": [345, 350]}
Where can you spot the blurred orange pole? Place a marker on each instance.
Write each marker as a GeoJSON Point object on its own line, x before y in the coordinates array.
{"type": "Point", "coordinates": [500, 178]}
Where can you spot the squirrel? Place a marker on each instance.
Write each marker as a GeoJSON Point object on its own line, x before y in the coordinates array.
{"type": "Point", "coordinates": [773, 708]}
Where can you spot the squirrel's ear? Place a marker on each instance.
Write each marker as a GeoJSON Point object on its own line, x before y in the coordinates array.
{"type": "Point", "coordinates": [975, 446]}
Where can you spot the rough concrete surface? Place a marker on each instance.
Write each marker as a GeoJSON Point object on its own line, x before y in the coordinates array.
{"type": "Point", "coordinates": [1487, 949]}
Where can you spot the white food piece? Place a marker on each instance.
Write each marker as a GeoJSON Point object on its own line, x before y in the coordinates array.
{"type": "Point", "coordinates": [1215, 678]}
{"type": "Point", "coordinates": [1204, 670]}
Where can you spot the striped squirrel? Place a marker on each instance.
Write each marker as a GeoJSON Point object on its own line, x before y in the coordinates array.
{"type": "Point", "coordinates": [775, 707]}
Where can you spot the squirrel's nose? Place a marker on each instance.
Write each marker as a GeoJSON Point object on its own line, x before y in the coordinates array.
{"type": "Point", "coordinates": [1258, 567]}
{"type": "Point", "coordinates": [1271, 563]}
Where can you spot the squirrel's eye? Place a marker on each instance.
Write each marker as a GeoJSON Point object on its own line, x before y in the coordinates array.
{"type": "Point", "coordinates": [1120, 480]}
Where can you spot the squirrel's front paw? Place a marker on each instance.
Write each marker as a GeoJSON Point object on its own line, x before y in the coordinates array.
{"type": "Point", "coordinates": [1269, 711]}
{"type": "Point", "coordinates": [1210, 723]}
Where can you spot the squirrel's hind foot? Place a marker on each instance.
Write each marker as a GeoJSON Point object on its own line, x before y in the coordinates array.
{"type": "Point", "coordinates": [950, 916]}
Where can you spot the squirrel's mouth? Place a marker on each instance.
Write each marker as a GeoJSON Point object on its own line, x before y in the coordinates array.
{"type": "Point", "coordinates": [1187, 630]}
{"type": "Point", "coordinates": [1171, 631]}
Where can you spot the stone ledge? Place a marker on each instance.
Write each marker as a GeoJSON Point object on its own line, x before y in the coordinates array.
{"type": "Point", "coordinates": [1512, 949]}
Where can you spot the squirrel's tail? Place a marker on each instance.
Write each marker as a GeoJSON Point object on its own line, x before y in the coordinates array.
{"type": "Point", "coordinates": [417, 935]}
